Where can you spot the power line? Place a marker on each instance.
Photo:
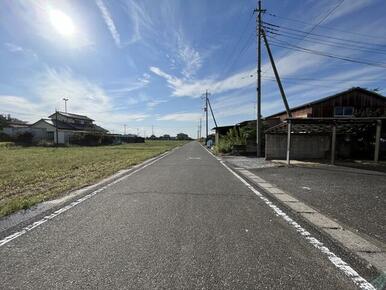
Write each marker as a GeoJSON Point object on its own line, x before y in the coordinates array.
{"type": "Point", "coordinates": [233, 51]}
{"type": "Point", "coordinates": [246, 45]}
{"type": "Point", "coordinates": [317, 35]}
{"type": "Point", "coordinates": [319, 22]}
{"type": "Point", "coordinates": [330, 79]}
{"type": "Point", "coordinates": [325, 27]}
{"type": "Point", "coordinates": [285, 80]}
{"type": "Point", "coordinates": [329, 43]}
{"type": "Point", "coordinates": [226, 66]}
{"type": "Point", "coordinates": [240, 38]}
{"type": "Point", "coordinates": [285, 44]}
{"type": "Point", "coordinates": [324, 18]}
{"type": "Point", "coordinates": [320, 79]}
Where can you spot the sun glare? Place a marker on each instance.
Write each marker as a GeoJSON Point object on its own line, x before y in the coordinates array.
{"type": "Point", "coordinates": [61, 22]}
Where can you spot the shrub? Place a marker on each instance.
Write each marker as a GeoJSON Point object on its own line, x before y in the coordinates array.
{"type": "Point", "coordinates": [5, 137]}
{"type": "Point", "coordinates": [107, 140]}
{"type": "Point", "coordinates": [86, 139]}
{"type": "Point", "coordinates": [45, 143]}
{"type": "Point", "coordinates": [233, 137]}
{"type": "Point", "coordinates": [6, 144]}
{"type": "Point", "coordinates": [25, 138]}
{"type": "Point", "coordinates": [223, 146]}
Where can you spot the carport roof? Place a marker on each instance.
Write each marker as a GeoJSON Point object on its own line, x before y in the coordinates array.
{"type": "Point", "coordinates": [324, 125]}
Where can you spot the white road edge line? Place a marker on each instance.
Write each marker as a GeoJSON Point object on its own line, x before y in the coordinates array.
{"type": "Point", "coordinates": [76, 202]}
{"type": "Point", "coordinates": [334, 259]}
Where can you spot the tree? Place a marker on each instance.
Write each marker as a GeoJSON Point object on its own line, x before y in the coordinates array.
{"type": "Point", "coordinates": [3, 122]}
{"type": "Point", "coordinates": [182, 136]}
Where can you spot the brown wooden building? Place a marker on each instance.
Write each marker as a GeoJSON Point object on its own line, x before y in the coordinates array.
{"type": "Point", "coordinates": [349, 124]}
{"type": "Point", "coordinates": [355, 102]}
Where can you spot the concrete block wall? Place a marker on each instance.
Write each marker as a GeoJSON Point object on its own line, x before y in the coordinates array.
{"type": "Point", "coordinates": [302, 146]}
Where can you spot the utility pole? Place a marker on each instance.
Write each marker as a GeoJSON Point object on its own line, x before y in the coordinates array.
{"type": "Point", "coordinates": [152, 130]}
{"type": "Point", "coordinates": [124, 127]}
{"type": "Point", "coordinates": [206, 113]}
{"type": "Point", "coordinates": [211, 110]}
{"type": "Point", "coordinates": [56, 126]}
{"type": "Point", "coordinates": [65, 104]}
{"type": "Point", "coordinates": [258, 88]}
{"type": "Point", "coordinates": [276, 75]}
{"type": "Point", "coordinates": [200, 128]}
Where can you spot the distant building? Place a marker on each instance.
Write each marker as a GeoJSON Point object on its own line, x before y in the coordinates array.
{"type": "Point", "coordinates": [67, 124]}
{"type": "Point", "coordinates": [12, 126]}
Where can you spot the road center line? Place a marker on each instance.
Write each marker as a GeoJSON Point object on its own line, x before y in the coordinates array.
{"type": "Point", "coordinates": [334, 259]}
{"type": "Point", "coordinates": [45, 219]}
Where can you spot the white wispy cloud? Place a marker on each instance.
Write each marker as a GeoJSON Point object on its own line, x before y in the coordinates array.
{"type": "Point", "coordinates": [85, 97]}
{"type": "Point", "coordinates": [109, 22]}
{"type": "Point", "coordinates": [289, 64]}
{"type": "Point", "coordinates": [27, 54]}
{"type": "Point", "coordinates": [194, 88]}
{"type": "Point", "coordinates": [123, 88]}
{"type": "Point", "coordinates": [140, 20]}
{"type": "Point", "coordinates": [22, 107]}
{"type": "Point", "coordinates": [154, 103]}
{"type": "Point", "coordinates": [180, 117]}
{"type": "Point", "coordinates": [189, 58]}
{"type": "Point", "coordinates": [13, 47]}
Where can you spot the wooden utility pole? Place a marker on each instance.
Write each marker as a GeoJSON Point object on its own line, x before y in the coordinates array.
{"type": "Point", "coordinates": [200, 128]}
{"type": "Point", "coordinates": [276, 74]}
{"type": "Point", "coordinates": [333, 144]}
{"type": "Point", "coordinates": [258, 85]}
{"type": "Point", "coordinates": [211, 110]}
{"type": "Point", "coordinates": [378, 131]}
{"type": "Point", "coordinates": [56, 126]}
{"type": "Point", "coordinates": [206, 114]}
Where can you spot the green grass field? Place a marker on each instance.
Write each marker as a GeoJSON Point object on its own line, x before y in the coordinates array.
{"type": "Point", "coordinates": [29, 175]}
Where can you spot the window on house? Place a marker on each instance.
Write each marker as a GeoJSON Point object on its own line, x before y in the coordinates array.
{"type": "Point", "coordinates": [343, 111]}
{"type": "Point", "coordinates": [50, 136]}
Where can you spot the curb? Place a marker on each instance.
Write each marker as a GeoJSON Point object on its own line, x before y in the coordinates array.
{"type": "Point", "coordinates": [21, 218]}
{"type": "Point", "coordinates": [366, 252]}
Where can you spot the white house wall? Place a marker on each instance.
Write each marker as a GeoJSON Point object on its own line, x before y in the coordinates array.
{"type": "Point", "coordinates": [44, 125]}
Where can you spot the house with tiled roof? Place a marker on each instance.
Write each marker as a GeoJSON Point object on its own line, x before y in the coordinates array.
{"type": "Point", "coordinates": [60, 126]}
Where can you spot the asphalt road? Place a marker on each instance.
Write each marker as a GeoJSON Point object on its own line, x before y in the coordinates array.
{"type": "Point", "coordinates": [353, 197]}
{"type": "Point", "coordinates": [184, 222]}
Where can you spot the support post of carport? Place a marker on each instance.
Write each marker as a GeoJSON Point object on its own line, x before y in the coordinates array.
{"type": "Point", "coordinates": [333, 144]}
{"type": "Point", "coordinates": [377, 140]}
{"type": "Point", "coordinates": [288, 142]}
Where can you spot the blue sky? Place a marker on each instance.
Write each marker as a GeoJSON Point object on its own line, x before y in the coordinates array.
{"type": "Point", "coordinates": [147, 63]}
